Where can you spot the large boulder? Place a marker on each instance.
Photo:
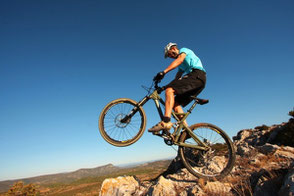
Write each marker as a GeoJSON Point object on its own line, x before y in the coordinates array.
{"type": "Point", "coordinates": [163, 187]}
{"type": "Point", "coordinates": [120, 186]}
{"type": "Point", "coordinates": [288, 185]}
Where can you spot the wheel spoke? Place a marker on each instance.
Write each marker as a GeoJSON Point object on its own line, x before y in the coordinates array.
{"type": "Point", "coordinates": [121, 133]}
{"type": "Point", "coordinates": [213, 163]}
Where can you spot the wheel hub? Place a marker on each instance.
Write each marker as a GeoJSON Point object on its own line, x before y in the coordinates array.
{"type": "Point", "coordinates": [118, 120]}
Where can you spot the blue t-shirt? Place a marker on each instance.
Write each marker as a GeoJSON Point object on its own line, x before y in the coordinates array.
{"type": "Point", "coordinates": [190, 62]}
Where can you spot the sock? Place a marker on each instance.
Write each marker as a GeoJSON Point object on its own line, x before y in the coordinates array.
{"type": "Point", "coordinates": [166, 119]}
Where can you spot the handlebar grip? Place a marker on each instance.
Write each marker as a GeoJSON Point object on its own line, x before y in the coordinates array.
{"type": "Point", "coordinates": [159, 89]}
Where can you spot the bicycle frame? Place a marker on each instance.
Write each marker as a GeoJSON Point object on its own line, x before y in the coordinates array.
{"type": "Point", "coordinates": [180, 123]}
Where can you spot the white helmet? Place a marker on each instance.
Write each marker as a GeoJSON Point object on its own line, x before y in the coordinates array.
{"type": "Point", "coordinates": [167, 48]}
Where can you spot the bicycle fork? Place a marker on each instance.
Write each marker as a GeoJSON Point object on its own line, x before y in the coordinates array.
{"type": "Point", "coordinates": [156, 98]}
{"type": "Point", "coordinates": [128, 117]}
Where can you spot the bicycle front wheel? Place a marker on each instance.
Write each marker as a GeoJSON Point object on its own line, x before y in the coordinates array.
{"type": "Point", "coordinates": [214, 163]}
{"type": "Point", "coordinates": [117, 131]}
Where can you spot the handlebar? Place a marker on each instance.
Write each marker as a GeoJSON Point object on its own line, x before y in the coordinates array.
{"type": "Point", "coordinates": [158, 88]}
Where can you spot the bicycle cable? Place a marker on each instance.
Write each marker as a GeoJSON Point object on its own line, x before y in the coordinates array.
{"type": "Point", "coordinates": [174, 148]}
{"type": "Point", "coordinates": [148, 89]}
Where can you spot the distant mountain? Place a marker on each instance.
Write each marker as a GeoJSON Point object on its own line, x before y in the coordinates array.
{"type": "Point", "coordinates": [85, 173]}
{"type": "Point", "coordinates": [63, 177]}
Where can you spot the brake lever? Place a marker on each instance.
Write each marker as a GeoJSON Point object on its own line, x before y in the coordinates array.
{"type": "Point", "coordinates": [160, 89]}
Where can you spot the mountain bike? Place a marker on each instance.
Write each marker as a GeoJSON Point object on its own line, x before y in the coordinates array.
{"type": "Point", "coordinates": [205, 149]}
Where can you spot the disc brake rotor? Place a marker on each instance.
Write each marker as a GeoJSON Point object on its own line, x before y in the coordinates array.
{"type": "Point", "coordinates": [118, 122]}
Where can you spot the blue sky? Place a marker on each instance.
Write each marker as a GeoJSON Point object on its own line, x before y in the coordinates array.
{"type": "Point", "coordinates": [62, 61]}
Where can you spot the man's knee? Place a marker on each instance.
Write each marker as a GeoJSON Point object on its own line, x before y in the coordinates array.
{"type": "Point", "coordinates": [169, 91]}
{"type": "Point", "coordinates": [177, 107]}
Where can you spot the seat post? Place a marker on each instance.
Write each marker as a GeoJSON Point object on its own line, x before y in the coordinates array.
{"type": "Point", "coordinates": [193, 106]}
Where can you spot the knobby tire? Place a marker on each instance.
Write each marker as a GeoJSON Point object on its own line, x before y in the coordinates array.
{"type": "Point", "coordinates": [213, 164]}
{"type": "Point", "coordinates": [113, 130]}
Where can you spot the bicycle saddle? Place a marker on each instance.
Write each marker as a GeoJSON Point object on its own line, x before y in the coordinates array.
{"type": "Point", "coordinates": [200, 101]}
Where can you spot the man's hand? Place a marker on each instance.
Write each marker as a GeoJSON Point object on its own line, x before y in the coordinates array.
{"type": "Point", "coordinates": [159, 76]}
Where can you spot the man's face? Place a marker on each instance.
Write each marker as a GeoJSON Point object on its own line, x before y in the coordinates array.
{"type": "Point", "coordinates": [173, 53]}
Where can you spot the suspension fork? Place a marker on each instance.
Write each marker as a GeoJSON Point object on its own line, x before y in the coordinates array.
{"type": "Point", "coordinates": [127, 118]}
{"type": "Point", "coordinates": [156, 98]}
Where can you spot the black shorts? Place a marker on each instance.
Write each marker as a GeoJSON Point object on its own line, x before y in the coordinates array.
{"type": "Point", "coordinates": [189, 85]}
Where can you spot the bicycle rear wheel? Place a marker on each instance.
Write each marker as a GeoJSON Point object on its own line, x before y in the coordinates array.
{"type": "Point", "coordinates": [214, 163]}
{"type": "Point", "coordinates": [122, 133]}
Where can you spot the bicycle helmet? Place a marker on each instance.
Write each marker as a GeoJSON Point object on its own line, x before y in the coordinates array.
{"type": "Point", "coordinates": [167, 48]}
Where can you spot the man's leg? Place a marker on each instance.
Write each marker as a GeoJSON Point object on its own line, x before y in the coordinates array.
{"type": "Point", "coordinates": [169, 104]}
{"type": "Point", "coordinates": [169, 101]}
{"type": "Point", "coordinates": [178, 109]}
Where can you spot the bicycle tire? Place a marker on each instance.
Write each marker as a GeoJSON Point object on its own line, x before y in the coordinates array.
{"type": "Point", "coordinates": [117, 133]}
{"type": "Point", "coordinates": [213, 164]}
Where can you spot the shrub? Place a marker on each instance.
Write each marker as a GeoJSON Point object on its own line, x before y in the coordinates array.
{"type": "Point", "coordinates": [291, 113]}
{"type": "Point", "coordinates": [23, 190]}
{"type": "Point", "coordinates": [286, 135]}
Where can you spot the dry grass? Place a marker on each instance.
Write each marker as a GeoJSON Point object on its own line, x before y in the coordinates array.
{"type": "Point", "coordinates": [266, 166]}
{"type": "Point", "coordinates": [201, 183]}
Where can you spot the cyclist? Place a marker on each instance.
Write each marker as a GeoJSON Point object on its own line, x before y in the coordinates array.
{"type": "Point", "coordinates": [191, 84]}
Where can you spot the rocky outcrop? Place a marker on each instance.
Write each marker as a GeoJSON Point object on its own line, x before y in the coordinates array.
{"type": "Point", "coordinates": [264, 166]}
{"type": "Point", "coordinates": [288, 185]}
{"type": "Point", "coordinates": [119, 186]}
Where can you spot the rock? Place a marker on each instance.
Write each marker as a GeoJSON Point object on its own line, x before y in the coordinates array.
{"type": "Point", "coordinates": [242, 135]}
{"type": "Point", "coordinates": [257, 159]}
{"type": "Point", "coordinates": [163, 187]}
{"type": "Point", "coordinates": [120, 186]}
{"type": "Point", "coordinates": [285, 152]}
{"type": "Point", "coordinates": [288, 186]}
{"type": "Point", "coordinates": [244, 149]}
{"type": "Point", "coordinates": [217, 188]}
{"type": "Point", "coordinates": [267, 148]}
{"type": "Point", "coordinates": [267, 182]}
{"type": "Point", "coordinates": [262, 168]}
{"type": "Point", "coordinates": [174, 166]}
{"type": "Point", "coordinates": [261, 184]}
{"type": "Point", "coordinates": [275, 131]}
{"type": "Point", "coordinates": [259, 136]}
{"type": "Point", "coordinates": [182, 174]}
{"type": "Point", "coordinates": [283, 134]}
{"type": "Point", "coordinates": [196, 190]}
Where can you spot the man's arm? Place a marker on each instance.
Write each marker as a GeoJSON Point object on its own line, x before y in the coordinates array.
{"type": "Point", "coordinates": [175, 63]}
